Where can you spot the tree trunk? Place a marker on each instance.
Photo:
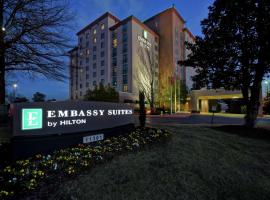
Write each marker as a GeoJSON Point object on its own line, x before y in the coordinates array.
{"type": "Point", "coordinates": [253, 106]}
{"type": "Point", "coordinates": [2, 79]}
{"type": "Point", "coordinates": [251, 116]}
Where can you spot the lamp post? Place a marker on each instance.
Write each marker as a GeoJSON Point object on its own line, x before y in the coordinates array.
{"type": "Point", "coordinates": [14, 86]}
{"type": "Point", "coordinates": [267, 89]}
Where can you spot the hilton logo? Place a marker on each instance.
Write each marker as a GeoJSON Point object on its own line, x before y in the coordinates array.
{"type": "Point", "coordinates": [31, 119]}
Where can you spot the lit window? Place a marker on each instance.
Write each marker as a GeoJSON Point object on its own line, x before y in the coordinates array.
{"type": "Point", "coordinates": [102, 27]}
{"type": "Point", "coordinates": [145, 34]}
{"type": "Point", "coordinates": [115, 43]}
{"type": "Point", "coordinates": [95, 31]}
{"type": "Point", "coordinates": [95, 40]}
{"type": "Point", "coordinates": [88, 52]}
{"type": "Point", "coordinates": [125, 88]}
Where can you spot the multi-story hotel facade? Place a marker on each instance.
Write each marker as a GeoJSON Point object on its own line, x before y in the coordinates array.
{"type": "Point", "coordinates": [113, 51]}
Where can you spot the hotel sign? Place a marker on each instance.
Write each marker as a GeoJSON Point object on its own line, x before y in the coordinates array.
{"type": "Point", "coordinates": [43, 118]}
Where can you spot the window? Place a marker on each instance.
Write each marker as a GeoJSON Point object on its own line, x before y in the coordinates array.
{"type": "Point", "coordinates": [102, 26]}
{"type": "Point", "coordinates": [125, 69]}
{"type": "Point", "coordinates": [114, 81]}
{"type": "Point", "coordinates": [87, 68]}
{"type": "Point", "coordinates": [125, 58]}
{"type": "Point", "coordinates": [94, 83]}
{"type": "Point", "coordinates": [114, 61]}
{"type": "Point", "coordinates": [125, 48]}
{"type": "Point", "coordinates": [81, 39]}
{"type": "Point", "coordinates": [114, 73]}
{"type": "Point", "coordinates": [95, 40]}
{"type": "Point", "coordinates": [87, 84]}
{"type": "Point", "coordinates": [94, 65]}
{"type": "Point", "coordinates": [80, 62]}
{"type": "Point", "coordinates": [87, 35]}
{"type": "Point", "coordinates": [88, 52]}
{"type": "Point", "coordinates": [125, 36]}
{"type": "Point", "coordinates": [102, 72]}
{"type": "Point", "coordinates": [80, 86]}
{"type": "Point", "coordinates": [114, 34]}
{"type": "Point", "coordinates": [87, 76]}
{"type": "Point", "coordinates": [102, 36]}
{"type": "Point", "coordinates": [102, 81]}
{"type": "Point", "coordinates": [94, 48]}
{"type": "Point", "coordinates": [94, 57]}
{"type": "Point", "coordinates": [87, 60]}
{"type": "Point", "coordinates": [94, 74]}
{"type": "Point", "coordinates": [114, 52]}
{"type": "Point", "coordinates": [124, 28]}
{"type": "Point", "coordinates": [125, 79]}
{"type": "Point", "coordinates": [114, 43]}
{"type": "Point", "coordinates": [125, 88]}
{"type": "Point", "coordinates": [87, 44]}
{"type": "Point", "coordinates": [95, 31]}
{"type": "Point", "coordinates": [102, 45]}
{"type": "Point", "coordinates": [102, 63]}
{"type": "Point", "coordinates": [102, 53]}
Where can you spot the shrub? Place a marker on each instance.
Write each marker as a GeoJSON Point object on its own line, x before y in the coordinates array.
{"type": "Point", "coordinates": [24, 176]}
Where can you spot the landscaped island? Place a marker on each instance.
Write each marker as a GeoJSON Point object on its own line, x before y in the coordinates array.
{"type": "Point", "coordinates": [23, 176]}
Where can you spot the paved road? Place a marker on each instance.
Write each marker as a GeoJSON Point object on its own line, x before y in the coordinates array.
{"type": "Point", "coordinates": [200, 119]}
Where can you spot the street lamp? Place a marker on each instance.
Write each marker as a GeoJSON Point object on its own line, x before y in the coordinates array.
{"type": "Point", "coordinates": [14, 90]}
{"type": "Point", "coordinates": [3, 29]}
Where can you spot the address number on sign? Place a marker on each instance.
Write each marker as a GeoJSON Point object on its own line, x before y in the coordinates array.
{"type": "Point", "coordinates": [93, 138]}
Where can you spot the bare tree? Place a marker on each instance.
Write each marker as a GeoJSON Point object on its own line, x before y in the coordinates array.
{"type": "Point", "coordinates": [147, 74]}
{"type": "Point", "coordinates": [32, 38]}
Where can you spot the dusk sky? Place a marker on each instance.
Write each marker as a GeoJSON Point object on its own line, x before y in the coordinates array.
{"type": "Point", "coordinates": [193, 11]}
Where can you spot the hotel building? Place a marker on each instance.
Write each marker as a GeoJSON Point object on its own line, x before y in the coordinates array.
{"type": "Point", "coordinates": [113, 51]}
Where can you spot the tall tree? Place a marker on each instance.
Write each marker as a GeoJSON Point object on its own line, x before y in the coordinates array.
{"type": "Point", "coordinates": [147, 74]}
{"type": "Point", "coordinates": [32, 39]}
{"type": "Point", "coordinates": [234, 52]}
{"type": "Point", "coordinates": [39, 97]}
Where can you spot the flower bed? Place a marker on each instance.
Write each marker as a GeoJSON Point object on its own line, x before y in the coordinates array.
{"type": "Point", "coordinates": [24, 176]}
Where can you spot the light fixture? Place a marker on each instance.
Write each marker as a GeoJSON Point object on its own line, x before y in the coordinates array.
{"type": "Point", "coordinates": [3, 29]}
{"type": "Point", "coordinates": [15, 85]}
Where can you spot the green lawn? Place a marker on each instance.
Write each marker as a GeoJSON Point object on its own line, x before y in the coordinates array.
{"type": "Point", "coordinates": [198, 163]}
